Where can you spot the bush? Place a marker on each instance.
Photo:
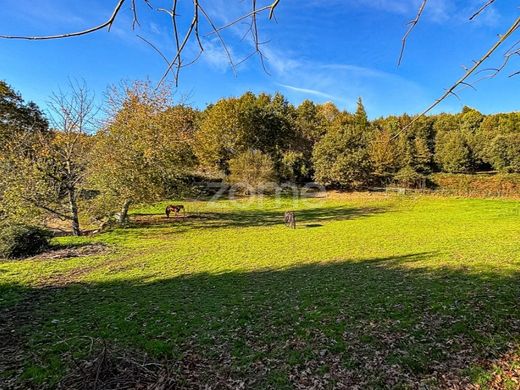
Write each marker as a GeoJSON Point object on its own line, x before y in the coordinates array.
{"type": "Point", "coordinates": [504, 153]}
{"type": "Point", "coordinates": [409, 178]}
{"type": "Point", "coordinates": [251, 171]}
{"type": "Point", "coordinates": [481, 185]}
{"type": "Point", "coordinates": [17, 241]}
{"type": "Point", "coordinates": [452, 153]}
{"type": "Point", "coordinates": [341, 158]}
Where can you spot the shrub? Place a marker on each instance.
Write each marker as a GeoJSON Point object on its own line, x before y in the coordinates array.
{"type": "Point", "coordinates": [504, 153]}
{"type": "Point", "coordinates": [485, 185]}
{"type": "Point", "coordinates": [17, 240]}
{"type": "Point", "coordinates": [452, 153]}
{"type": "Point", "coordinates": [251, 171]}
{"type": "Point", "coordinates": [341, 158]}
{"type": "Point", "coordinates": [294, 167]}
{"type": "Point", "coordinates": [408, 177]}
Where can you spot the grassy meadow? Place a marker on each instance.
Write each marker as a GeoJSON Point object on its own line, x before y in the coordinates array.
{"type": "Point", "coordinates": [371, 291]}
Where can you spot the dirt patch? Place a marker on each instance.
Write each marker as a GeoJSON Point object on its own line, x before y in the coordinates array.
{"type": "Point", "coordinates": [73, 251]}
{"type": "Point", "coordinates": [159, 219]}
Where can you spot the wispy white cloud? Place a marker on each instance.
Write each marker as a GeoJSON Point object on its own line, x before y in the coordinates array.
{"type": "Point", "coordinates": [307, 91]}
{"type": "Point", "coordinates": [437, 11]}
{"type": "Point", "coordinates": [394, 6]}
{"type": "Point", "coordinates": [215, 56]}
{"type": "Point", "coordinates": [344, 83]}
{"type": "Point", "coordinates": [59, 14]}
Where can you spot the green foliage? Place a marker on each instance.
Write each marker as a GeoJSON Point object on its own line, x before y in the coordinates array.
{"type": "Point", "coordinates": [294, 167]}
{"type": "Point", "coordinates": [17, 240]}
{"type": "Point", "coordinates": [382, 156]}
{"type": "Point", "coordinates": [145, 151]}
{"type": "Point", "coordinates": [251, 171]}
{"type": "Point", "coordinates": [452, 153]}
{"type": "Point", "coordinates": [234, 125]}
{"type": "Point", "coordinates": [341, 157]}
{"type": "Point", "coordinates": [423, 156]}
{"type": "Point", "coordinates": [24, 159]}
{"type": "Point", "coordinates": [504, 153]}
{"type": "Point", "coordinates": [17, 118]}
{"type": "Point", "coordinates": [310, 121]}
{"type": "Point", "coordinates": [409, 178]}
{"type": "Point", "coordinates": [470, 120]}
{"type": "Point", "coordinates": [360, 117]}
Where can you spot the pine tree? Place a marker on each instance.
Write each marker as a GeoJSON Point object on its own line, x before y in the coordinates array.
{"type": "Point", "coordinates": [422, 156]}
{"type": "Point", "coordinates": [360, 117]}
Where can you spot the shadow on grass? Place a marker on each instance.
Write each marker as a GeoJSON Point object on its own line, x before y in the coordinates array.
{"type": "Point", "coordinates": [383, 322]}
{"type": "Point", "coordinates": [248, 218]}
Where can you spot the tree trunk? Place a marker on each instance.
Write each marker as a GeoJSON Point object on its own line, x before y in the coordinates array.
{"type": "Point", "coordinates": [123, 215]}
{"type": "Point", "coordinates": [74, 212]}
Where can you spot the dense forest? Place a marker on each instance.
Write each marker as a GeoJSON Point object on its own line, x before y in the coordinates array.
{"type": "Point", "coordinates": [147, 147]}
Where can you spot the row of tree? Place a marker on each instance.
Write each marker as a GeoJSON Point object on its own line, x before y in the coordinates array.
{"type": "Point", "coordinates": [346, 150]}
{"type": "Point", "coordinates": [147, 148]}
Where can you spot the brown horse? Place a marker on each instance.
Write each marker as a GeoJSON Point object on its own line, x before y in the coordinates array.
{"type": "Point", "coordinates": [176, 208]}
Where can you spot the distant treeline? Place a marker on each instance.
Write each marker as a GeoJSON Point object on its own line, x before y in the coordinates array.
{"type": "Point", "coordinates": [148, 147]}
{"type": "Point", "coordinates": [341, 149]}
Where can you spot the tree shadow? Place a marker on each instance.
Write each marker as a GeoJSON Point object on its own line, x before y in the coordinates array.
{"type": "Point", "coordinates": [252, 218]}
{"type": "Point", "coordinates": [380, 322]}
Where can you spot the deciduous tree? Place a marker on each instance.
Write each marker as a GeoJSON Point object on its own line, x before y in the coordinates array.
{"type": "Point", "coordinates": [144, 150]}
{"type": "Point", "coordinates": [45, 170]}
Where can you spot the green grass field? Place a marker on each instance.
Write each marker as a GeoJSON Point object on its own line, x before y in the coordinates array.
{"type": "Point", "coordinates": [374, 291]}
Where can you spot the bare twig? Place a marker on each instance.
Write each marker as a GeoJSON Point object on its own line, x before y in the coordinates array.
{"type": "Point", "coordinates": [135, 21]}
{"type": "Point", "coordinates": [108, 24]}
{"type": "Point", "coordinates": [155, 48]}
{"type": "Point", "coordinates": [246, 16]}
{"type": "Point", "coordinates": [194, 21]}
{"type": "Point", "coordinates": [468, 73]}
{"type": "Point", "coordinates": [481, 9]}
{"type": "Point", "coordinates": [222, 41]}
{"type": "Point", "coordinates": [272, 8]}
{"type": "Point", "coordinates": [412, 25]}
{"type": "Point", "coordinates": [192, 32]}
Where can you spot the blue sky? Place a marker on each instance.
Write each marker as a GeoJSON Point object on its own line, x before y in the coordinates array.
{"type": "Point", "coordinates": [324, 50]}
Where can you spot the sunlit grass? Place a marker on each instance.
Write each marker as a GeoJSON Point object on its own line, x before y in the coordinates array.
{"type": "Point", "coordinates": [368, 287]}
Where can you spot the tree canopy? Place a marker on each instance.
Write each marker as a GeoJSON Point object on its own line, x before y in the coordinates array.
{"type": "Point", "coordinates": [150, 147]}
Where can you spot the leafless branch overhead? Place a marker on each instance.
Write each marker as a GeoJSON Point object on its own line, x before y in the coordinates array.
{"type": "Point", "coordinates": [199, 17]}
{"type": "Point", "coordinates": [462, 81]}
{"type": "Point", "coordinates": [412, 25]}
{"type": "Point", "coordinates": [481, 9]}
{"type": "Point", "coordinates": [107, 24]}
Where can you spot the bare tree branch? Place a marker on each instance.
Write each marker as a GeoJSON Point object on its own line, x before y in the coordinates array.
{"type": "Point", "coordinates": [108, 24]}
{"type": "Point", "coordinates": [192, 32]}
{"type": "Point", "coordinates": [462, 81]}
{"type": "Point", "coordinates": [481, 9]}
{"type": "Point", "coordinates": [412, 25]}
{"type": "Point", "coordinates": [248, 15]}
